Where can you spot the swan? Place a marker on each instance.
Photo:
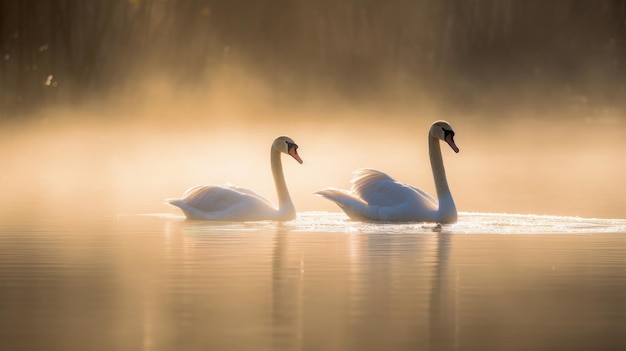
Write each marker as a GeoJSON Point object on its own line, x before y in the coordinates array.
{"type": "Point", "coordinates": [232, 203]}
{"type": "Point", "coordinates": [375, 196]}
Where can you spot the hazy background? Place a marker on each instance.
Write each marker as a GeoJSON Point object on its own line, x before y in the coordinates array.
{"type": "Point", "coordinates": [112, 106]}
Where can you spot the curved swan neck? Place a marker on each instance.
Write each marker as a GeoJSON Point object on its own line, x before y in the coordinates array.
{"type": "Point", "coordinates": [284, 200]}
{"type": "Point", "coordinates": [447, 208]}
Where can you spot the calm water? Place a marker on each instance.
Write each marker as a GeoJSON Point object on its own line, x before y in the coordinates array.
{"type": "Point", "coordinates": [158, 282]}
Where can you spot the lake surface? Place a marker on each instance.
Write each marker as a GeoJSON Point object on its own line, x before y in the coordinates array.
{"type": "Point", "coordinates": [321, 282]}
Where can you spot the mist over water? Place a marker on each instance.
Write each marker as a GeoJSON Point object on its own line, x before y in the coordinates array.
{"type": "Point", "coordinates": [127, 158]}
{"type": "Point", "coordinates": [150, 98]}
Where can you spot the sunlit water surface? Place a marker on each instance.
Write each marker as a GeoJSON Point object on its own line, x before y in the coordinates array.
{"type": "Point", "coordinates": [321, 282]}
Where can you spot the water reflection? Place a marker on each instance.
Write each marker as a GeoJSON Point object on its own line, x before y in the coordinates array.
{"type": "Point", "coordinates": [373, 285]}
{"type": "Point", "coordinates": [287, 286]}
{"type": "Point", "coordinates": [443, 309]}
{"type": "Point", "coordinates": [320, 282]}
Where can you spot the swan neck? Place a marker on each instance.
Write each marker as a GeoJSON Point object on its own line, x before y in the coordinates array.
{"type": "Point", "coordinates": [284, 200]}
{"type": "Point", "coordinates": [447, 208]}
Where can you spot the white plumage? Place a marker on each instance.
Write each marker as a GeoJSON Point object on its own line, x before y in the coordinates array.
{"type": "Point", "coordinates": [232, 203]}
{"type": "Point", "coordinates": [375, 196]}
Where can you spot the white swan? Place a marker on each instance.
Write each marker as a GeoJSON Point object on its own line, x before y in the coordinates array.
{"type": "Point", "coordinates": [231, 203]}
{"type": "Point", "coordinates": [375, 196]}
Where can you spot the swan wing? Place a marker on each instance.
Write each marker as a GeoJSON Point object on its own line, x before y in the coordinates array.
{"type": "Point", "coordinates": [424, 194]}
{"type": "Point", "coordinates": [354, 207]}
{"type": "Point", "coordinates": [209, 198]}
{"type": "Point", "coordinates": [227, 203]}
{"type": "Point", "coordinates": [376, 188]}
{"type": "Point", "coordinates": [250, 192]}
{"type": "Point", "coordinates": [376, 196]}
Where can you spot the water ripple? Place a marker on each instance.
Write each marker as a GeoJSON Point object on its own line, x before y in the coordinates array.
{"type": "Point", "coordinates": [468, 223]}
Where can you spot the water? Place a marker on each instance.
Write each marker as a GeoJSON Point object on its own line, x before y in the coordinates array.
{"type": "Point", "coordinates": [321, 282]}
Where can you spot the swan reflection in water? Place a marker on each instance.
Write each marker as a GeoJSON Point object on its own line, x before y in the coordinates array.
{"type": "Point", "coordinates": [310, 266]}
{"type": "Point", "coordinates": [325, 280]}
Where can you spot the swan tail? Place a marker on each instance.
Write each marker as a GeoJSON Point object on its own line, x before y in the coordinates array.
{"type": "Point", "coordinates": [354, 207]}
{"type": "Point", "coordinates": [189, 211]}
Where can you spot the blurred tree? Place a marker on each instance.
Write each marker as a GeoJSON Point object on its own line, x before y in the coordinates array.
{"type": "Point", "coordinates": [69, 50]}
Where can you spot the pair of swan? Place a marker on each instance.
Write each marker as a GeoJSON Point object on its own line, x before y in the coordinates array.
{"type": "Point", "coordinates": [374, 195]}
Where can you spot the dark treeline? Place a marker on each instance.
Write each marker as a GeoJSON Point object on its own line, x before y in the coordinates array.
{"type": "Point", "coordinates": [68, 50]}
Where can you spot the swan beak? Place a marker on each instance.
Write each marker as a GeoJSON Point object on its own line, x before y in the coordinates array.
{"type": "Point", "coordinates": [294, 153]}
{"type": "Point", "coordinates": [450, 141]}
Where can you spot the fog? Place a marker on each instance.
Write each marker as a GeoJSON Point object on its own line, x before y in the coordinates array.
{"type": "Point", "coordinates": [82, 161]}
{"type": "Point", "coordinates": [539, 123]}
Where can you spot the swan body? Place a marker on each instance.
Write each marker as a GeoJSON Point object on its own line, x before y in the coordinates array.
{"type": "Point", "coordinates": [375, 196]}
{"type": "Point", "coordinates": [232, 203]}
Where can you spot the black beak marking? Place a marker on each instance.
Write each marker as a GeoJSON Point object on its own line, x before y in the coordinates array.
{"type": "Point", "coordinates": [447, 132]}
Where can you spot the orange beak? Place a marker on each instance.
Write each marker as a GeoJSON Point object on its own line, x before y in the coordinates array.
{"type": "Point", "coordinates": [294, 153]}
{"type": "Point", "coordinates": [450, 142]}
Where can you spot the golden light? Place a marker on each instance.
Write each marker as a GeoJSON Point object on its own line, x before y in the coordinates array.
{"type": "Point", "coordinates": [130, 154]}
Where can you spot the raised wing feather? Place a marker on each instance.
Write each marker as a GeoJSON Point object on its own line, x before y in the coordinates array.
{"type": "Point", "coordinates": [249, 192]}
{"type": "Point", "coordinates": [378, 189]}
{"type": "Point", "coordinates": [423, 193]}
{"type": "Point", "coordinates": [216, 198]}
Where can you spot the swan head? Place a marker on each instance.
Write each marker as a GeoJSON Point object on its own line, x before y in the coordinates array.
{"type": "Point", "coordinates": [443, 130]}
{"type": "Point", "coordinates": [286, 145]}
